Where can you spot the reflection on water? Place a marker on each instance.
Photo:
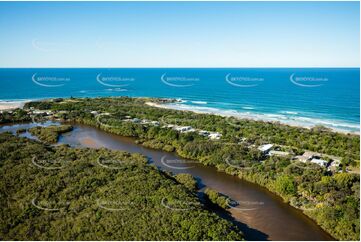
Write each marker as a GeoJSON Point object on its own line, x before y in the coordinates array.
{"type": "Point", "coordinates": [14, 127]}
{"type": "Point", "coordinates": [260, 214]}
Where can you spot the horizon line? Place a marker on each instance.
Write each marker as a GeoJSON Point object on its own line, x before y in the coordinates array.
{"type": "Point", "coordinates": [281, 67]}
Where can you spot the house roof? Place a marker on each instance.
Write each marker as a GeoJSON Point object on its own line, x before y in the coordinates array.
{"type": "Point", "coordinates": [319, 161]}
{"type": "Point", "coordinates": [265, 147]}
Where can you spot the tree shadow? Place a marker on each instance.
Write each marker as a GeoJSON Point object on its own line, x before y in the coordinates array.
{"type": "Point", "coordinates": [248, 232]}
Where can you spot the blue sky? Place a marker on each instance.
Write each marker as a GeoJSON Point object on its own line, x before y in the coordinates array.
{"type": "Point", "coordinates": [179, 34]}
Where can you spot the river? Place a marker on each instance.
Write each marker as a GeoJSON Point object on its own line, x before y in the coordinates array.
{"type": "Point", "coordinates": [260, 214]}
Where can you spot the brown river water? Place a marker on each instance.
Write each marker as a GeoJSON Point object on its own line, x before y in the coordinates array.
{"type": "Point", "coordinates": [260, 214]}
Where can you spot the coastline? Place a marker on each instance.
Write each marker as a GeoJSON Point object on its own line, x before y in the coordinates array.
{"type": "Point", "coordinates": [178, 104]}
{"type": "Point", "coordinates": [251, 116]}
{"type": "Point", "coordinates": [254, 179]}
{"type": "Point", "coordinates": [10, 105]}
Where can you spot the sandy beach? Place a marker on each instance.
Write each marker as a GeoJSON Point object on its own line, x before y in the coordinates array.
{"type": "Point", "coordinates": [156, 105]}
{"type": "Point", "coordinates": [247, 116]}
{"type": "Point", "coordinates": [5, 106]}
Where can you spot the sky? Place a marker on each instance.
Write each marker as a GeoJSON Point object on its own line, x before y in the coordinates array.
{"type": "Point", "coordinates": [179, 34]}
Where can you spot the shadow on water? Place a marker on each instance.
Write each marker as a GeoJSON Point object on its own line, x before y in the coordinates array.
{"type": "Point", "coordinates": [249, 233]}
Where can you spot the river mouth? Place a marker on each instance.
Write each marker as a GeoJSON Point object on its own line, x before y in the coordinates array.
{"type": "Point", "coordinates": [260, 214]}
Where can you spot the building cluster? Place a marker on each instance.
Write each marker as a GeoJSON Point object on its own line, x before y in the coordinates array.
{"type": "Point", "coordinates": [141, 121]}
{"type": "Point", "coordinates": [186, 129]}
{"type": "Point", "coordinates": [307, 157]}
{"type": "Point", "coordinates": [316, 158]}
{"type": "Point", "coordinates": [270, 149]}
{"type": "Point", "coordinates": [178, 128]}
{"type": "Point", "coordinates": [266, 149]}
{"type": "Point", "coordinates": [55, 115]}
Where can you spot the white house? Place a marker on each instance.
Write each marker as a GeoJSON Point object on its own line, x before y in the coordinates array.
{"type": "Point", "coordinates": [168, 126]}
{"type": "Point", "coordinates": [265, 148]}
{"type": "Point", "coordinates": [155, 123]}
{"type": "Point", "coordinates": [204, 132]}
{"type": "Point", "coordinates": [308, 155]}
{"type": "Point", "coordinates": [183, 128]}
{"type": "Point", "coordinates": [214, 135]}
{"type": "Point", "coordinates": [278, 153]}
{"type": "Point", "coordinates": [319, 162]}
{"type": "Point", "coordinates": [39, 112]}
{"type": "Point", "coordinates": [136, 120]}
{"type": "Point", "coordinates": [335, 163]}
{"type": "Point", "coordinates": [145, 121]}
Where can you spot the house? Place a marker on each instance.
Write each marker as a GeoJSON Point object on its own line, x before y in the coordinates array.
{"type": "Point", "coordinates": [169, 126]}
{"type": "Point", "coordinates": [39, 112]}
{"type": "Point", "coordinates": [183, 129]}
{"type": "Point", "coordinates": [265, 148]}
{"type": "Point", "coordinates": [334, 166]}
{"type": "Point", "coordinates": [335, 163]}
{"type": "Point", "coordinates": [155, 123]}
{"type": "Point", "coordinates": [204, 132]}
{"type": "Point", "coordinates": [57, 100]}
{"type": "Point", "coordinates": [301, 158]}
{"type": "Point", "coordinates": [319, 162]}
{"type": "Point", "coordinates": [214, 135]}
{"type": "Point", "coordinates": [307, 156]}
{"type": "Point", "coordinates": [278, 153]}
{"type": "Point", "coordinates": [145, 121]}
{"type": "Point", "coordinates": [311, 154]}
{"type": "Point", "coordinates": [136, 120]}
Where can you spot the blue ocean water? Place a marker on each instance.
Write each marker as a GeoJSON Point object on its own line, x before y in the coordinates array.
{"type": "Point", "coordinates": [300, 96]}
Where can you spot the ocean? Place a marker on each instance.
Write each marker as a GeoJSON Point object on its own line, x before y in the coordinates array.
{"type": "Point", "coordinates": [295, 96]}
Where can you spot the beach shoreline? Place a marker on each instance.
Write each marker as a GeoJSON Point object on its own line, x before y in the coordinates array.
{"type": "Point", "coordinates": [11, 105]}
{"type": "Point", "coordinates": [178, 104]}
{"type": "Point", "coordinates": [242, 116]}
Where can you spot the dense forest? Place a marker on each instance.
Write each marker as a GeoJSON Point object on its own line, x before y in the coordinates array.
{"type": "Point", "coordinates": [331, 199]}
{"type": "Point", "coordinates": [61, 193]}
{"type": "Point", "coordinates": [50, 134]}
